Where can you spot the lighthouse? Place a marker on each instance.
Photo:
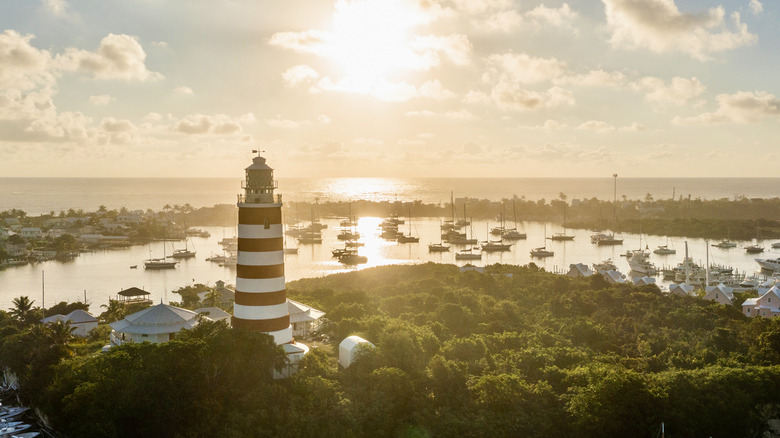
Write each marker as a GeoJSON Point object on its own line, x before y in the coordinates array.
{"type": "Point", "coordinates": [261, 296]}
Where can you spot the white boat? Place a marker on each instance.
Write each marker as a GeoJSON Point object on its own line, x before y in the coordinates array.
{"type": "Point", "coordinates": [352, 258]}
{"type": "Point", "coordinates": [561, 237]}
{"type": "Point", "coordinates": [725, 244]}
{"type": "Point", "coordinates": [438, 247]}
{"type": "Point", "coordinates": [468, 254]}
{"type": "Point", "coordinates": [512, 233]}
{"type": "Point", "coordinates": [605, 266]}
{"type": "Point", "coordinates": [664, 250]}
{"type": "Point", "coordinates": [769, 264]}
{"type": "Point", "coordinates": [12, 430]}
{"type": "Point", "coordinates": [541, 252]}
{"type": "Point", "coordinates": [159, 263]}
{"type": "Point", "coordinates": [776, 245]}
{"type": "Point", "coordinates": [602, 239]}
{"type": "Point", "coordinates": [640, 263]}
{"type": "Point", "coordinates": [495, 245]}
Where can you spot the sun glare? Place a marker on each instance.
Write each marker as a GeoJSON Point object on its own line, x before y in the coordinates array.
{"type": "Point", "coordinates": [372, 39]}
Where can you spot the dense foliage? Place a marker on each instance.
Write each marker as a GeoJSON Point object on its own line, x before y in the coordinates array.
{"type": "Point", "coordinates": [513, 351]}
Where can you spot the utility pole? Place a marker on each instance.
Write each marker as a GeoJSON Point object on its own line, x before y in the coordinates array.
{"type": "Point", "coordinates": [614, 199]}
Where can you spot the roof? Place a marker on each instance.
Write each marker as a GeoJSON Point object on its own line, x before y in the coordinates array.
{"type": "Point", "coordinates": [580, 269]}
{"type": "Point", "coordinates": [214, 313]}
{"type": "Point", "coordinates": [162, 318]}
{"type": "Point", "coordinates": [614, 276]}
{"type": "Point", "coordinates": [258, 163]}
{"type": "Point", "coordinates": [133, 292]}
{"type": "Point", "coordinates": [681, 288]}
{"type": "Point", "coordinates": [722, 288]}
{"type": "Point", "coordinates": [351, 341]}
{"type": "Point", "coordinates": [300, 312]}
{"type": "Point", "coordinates": [77, 316]}
{"type": "Point", "coordinates": [640, 281]}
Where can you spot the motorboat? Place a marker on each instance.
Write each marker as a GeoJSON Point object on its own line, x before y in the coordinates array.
{"type": "Point", "coordinates": [769, 264]}
{"type": "Point", "coordinates": [406, 238]}
{"type": "Point", "coordinates": [352, 258]}
{"type": "Point", "coordinates": [725, 244]}
{"type": "Point", "coordinates": [664, 250]}
{"type": "Point", "coordinates": [347, 234]}
{"type": "Point", "coordinates": [513, 234]}
{"type": "Point", "coordinates": [602, 239]}
{"type": "Point", "coordinates": [438, 247]}
{"type": "Point", "coordinates": [310, 237]}
{"type": "Point", "coordinates": [776, 245]}
{"type": "Point", "coordinates": [754, 249]}
{"type": "Point", "coordinates": [495, 245]}
{"type": "Point", "coordinates": [640, 263]}
{"type": "Point", "coordinates": [605, 266]}
{"type": "Point", "coordinates": [542, 252]}
{"type": "Point", "coordinates": [468, 254]}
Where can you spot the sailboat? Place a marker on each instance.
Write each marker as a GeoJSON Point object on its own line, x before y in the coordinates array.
{"type": "Point", "coordinates": [287, 249]}
{"type": "Point", "coordinates": [183, 253]}
{"type": "Point", "coordinates": [499, 230]}
{"type": "Point", "coordinates": [542, 251]}
{"type": "Point", "coordinates": [562, 236]}
{"type": "Point", "coordinates": [408, 238]}
{"type": "Point", "coordinates": [664, 249]}
{"type": "Point", "coordinates": [160, 263]}
{"type": "Point", "coordinates": [512, 233]}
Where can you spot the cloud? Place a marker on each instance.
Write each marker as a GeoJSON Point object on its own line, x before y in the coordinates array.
{"type": "Point", "coordinates": [218, 124]}
{"type": "Point", "coordinates": [594, 78]}
{"type": "Point", "coordinates": [103, 99]}
{"type": "Point", "coordinates": [183, 91]}
{"type": "Point", "coordinates": [462, 114]}
{"type": "Point", "coordinates": [522, 68]}
{"type": "Point", "coordinates": [56, 7]}
{"type": "Point", "coordinates": [659, 26]}
{"type": "Point", "coordinates": [597, 126]}
{"type": "Point", "coordinates": [514, 97]}
{"type": "Point", "coordinates": [739, 108]}
{"type": "Point", "coordinates": [279, 122]}
{"type": "Point", "coordinates": [556, 17]}
{"type": "Point", "coordinates": [368, 141]}
{"type": "Point", "coordinates": [678, 92]}
{"type": "Point", "coordinates": [118, 57]}
{"type": "Point", "coordinates": [434, 90]}
{"type": "Point", "coordinates": [756, 7]}
{"type": "Point", "coordinates": [299, 74]}
{"type": "Point", "coordinates": [22, 66]}
{"type": "Point", "coordinates": [634, 127]}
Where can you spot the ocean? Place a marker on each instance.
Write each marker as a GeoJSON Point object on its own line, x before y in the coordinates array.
{"type": "Point", "coordinates": [42, 195]}
{"type": "Point", "coordinates": [98, 276]}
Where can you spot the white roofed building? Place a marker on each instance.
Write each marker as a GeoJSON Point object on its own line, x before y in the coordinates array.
{"type": "Point", "coordinates": [766, 306]}
{"type": "Point", "coordinates": [81, 322]}
{"type": "Point", "coordinates": [643, 281]}
{"type": "Point", "coordinates": [579, 270]}
{"type": "Point", "coordinates": [614, 277]}
{"type": "Point", "coordinates": [304, 319]}
{"type": "Point", "coordinates": [156, 324]}
{"type": "Point", "coordinates": [349, 348]}
{"type": "Point", "coordinates": [681, 289]}
{"type": "Point", "coordinates": [720, 293]}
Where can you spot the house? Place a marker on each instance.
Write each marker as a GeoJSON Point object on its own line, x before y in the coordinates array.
{"type": "Point", "coordinates": [349, 349]}
{"type": "Point", "coordinates": [767, 305]}
{"type": "Point", "coordinates": [614, 277]}
{"type": "Point", "coordinates": [681, 289]}
{"type": "Point", "coordinates": [304, 319]}
{"type": "Point", "coordinates": [643, 281]}
{"type": "Point", "coordinates": [227, 296]}
{"type": "Point", "coordinates": [214, 313]}
{"type": "Point", "coordinates": [31, 232]}
{"type": "Point", "coordinates": [720, 293]}
{"type": "Point", "coordinates": [156, 324]}
{"type": "Point", "coordinates": [579, 270]}
{"type": "Point", "coordinates": [81, 321]}
{"type": "Point", "coordinates": [130, 218]}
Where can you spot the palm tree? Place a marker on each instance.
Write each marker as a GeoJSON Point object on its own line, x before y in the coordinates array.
{"type": "Point", "coordinates": [22, 308]}
{"type": "Point", "coordinates": [60, 332]}
{"type": "Point", "coordinates": [115, 310]}
{"type": "Point", "coordinates": [213, 298]}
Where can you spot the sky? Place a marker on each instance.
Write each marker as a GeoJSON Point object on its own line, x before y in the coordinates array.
{"type": "Point", "coordinates": [389, 88]}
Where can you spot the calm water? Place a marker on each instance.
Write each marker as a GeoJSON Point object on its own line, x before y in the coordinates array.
{"type": "Point", "coordinates": [42, 195]}
{"type": "Point", "coordinates": [102, 274]}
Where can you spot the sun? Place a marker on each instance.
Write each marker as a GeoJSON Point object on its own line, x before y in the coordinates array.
{"type": "Point", "coordinates": [372, 39]}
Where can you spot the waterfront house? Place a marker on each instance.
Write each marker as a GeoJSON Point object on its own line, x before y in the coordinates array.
{"type": "Point", "coordinates": [643, 281]}
{"type": "Point", "coordinates": [31, 232]}
{"type": "Point", "coordinates": [681, 289]}
{"type": "Point", "coordinates": [156, 324]}
{"type": "Point", "coordinates": [81, 322]}
{"type": "Point", "coordinates": [579, 270]}
{"type": "Point", "coordinates": [130, 218]}
{"type": "Point", "coordinates": [614, 277]}
{"type": "Point", "coordinates": [766, 306]}
{"type": "Point", "coordinates": [720, 293]}
{"type": "Point", "coordinates": [215, 314]}
{"type": "Point", "coordinates": [304, 319]}
{"type": "Point", "coordinates": [226, 296]}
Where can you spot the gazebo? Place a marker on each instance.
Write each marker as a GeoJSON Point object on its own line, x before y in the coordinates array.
{"type": "Point", "coordinates": [156, 324]}
{"type": "Point", "coordinates": [134, 295]}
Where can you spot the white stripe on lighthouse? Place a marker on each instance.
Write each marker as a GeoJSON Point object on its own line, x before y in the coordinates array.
{"type": "Point", "coordinates": [248, 258]}
{"type": "Point", "coordinates": [260, 312]}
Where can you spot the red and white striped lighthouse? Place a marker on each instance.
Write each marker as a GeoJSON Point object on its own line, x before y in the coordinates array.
{"type": "Point", "coordinates": [261, 296]}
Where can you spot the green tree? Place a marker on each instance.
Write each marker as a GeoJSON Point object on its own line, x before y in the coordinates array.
{"type": "Point", "coordinates": [115, 310]}
{"type": "Point", "coordinates": [22, 311]}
